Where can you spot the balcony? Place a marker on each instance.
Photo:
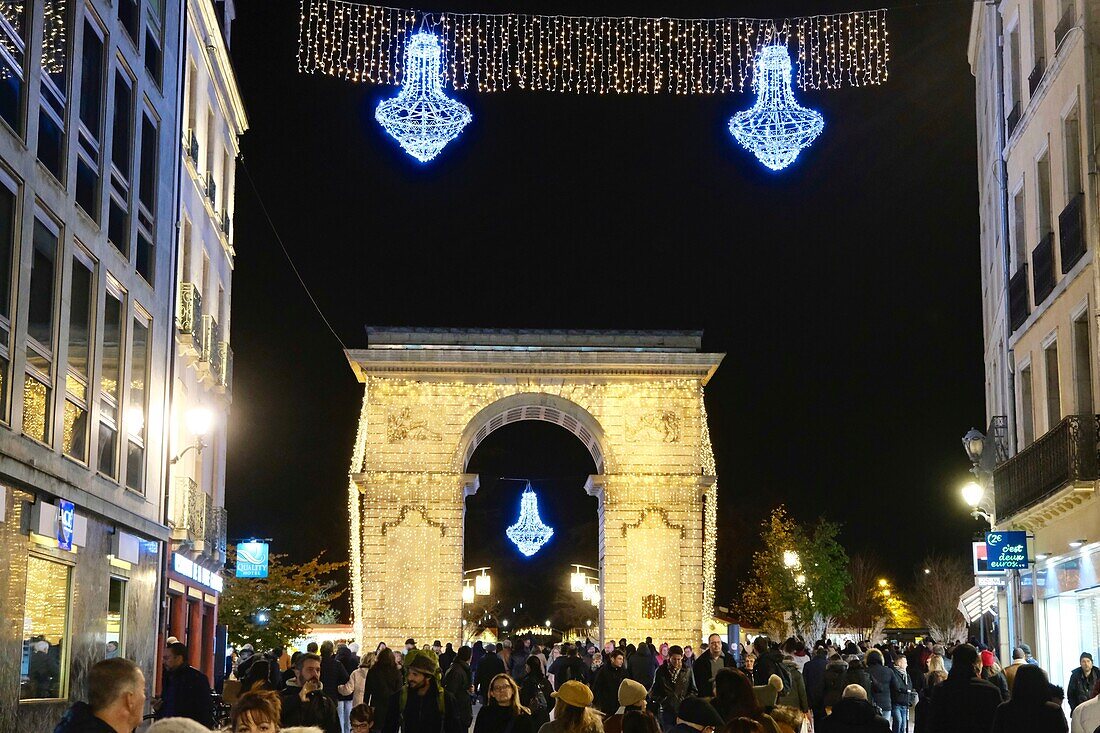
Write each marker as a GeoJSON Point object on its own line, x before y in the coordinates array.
{"type": "Point", "coordinates": [1013, 118]}
{"type": "Point", "coordinates": [216, 519]}
{"type": "Point", "coordinates": [226, 223]}
{"type": "Point", "coordinates": [1069, 19]}
{"type": "Point", "coordinates": [1018, 306]}
{"type": "Point", "coordinates": [211, 354]}
{"type": "Point", "coordinates": [1071, 231]}
{"type": "Point", "coordinates": [188, 510]}
{"type": "Point", "coordinates": [1066, 456]}
{"type": "Point", "coordinates": [212, 190]}
{"type": "Point", "coordinates": [191, 147]}
{"type": "Point", "coordinates": [1036, 76]}
{"type": "Point", "coordinates": [225, 374]}
{"type": "Point", "coordinates": [1042, 264]}
{"type": "Point", "coordinates": [189, 317]}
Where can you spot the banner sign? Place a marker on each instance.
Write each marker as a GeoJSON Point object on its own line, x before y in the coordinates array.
{"type": "Point", "coordinates": [1006, 550]}
{"type": "Point", "coordinates": [66, 521]}
{"type": "Point", "coordinates": [252, 560]}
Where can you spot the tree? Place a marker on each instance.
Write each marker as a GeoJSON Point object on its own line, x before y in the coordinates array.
{"type": "Point", "coordinates": [939, 582]}
{"type": "Point", "coordinates": [273, 611]}
{"type": "Point", "coordinates": [864, 605]}
{"type": "Point", "coordinates": [800, 574]}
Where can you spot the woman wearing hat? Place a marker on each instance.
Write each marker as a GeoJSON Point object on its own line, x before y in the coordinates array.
{"type": "Point", "coordinates": [503, 713]}
{"type": "Point", "coordinates": [992, 672]}
{"type": "Point", "coordinates": [572, 713]}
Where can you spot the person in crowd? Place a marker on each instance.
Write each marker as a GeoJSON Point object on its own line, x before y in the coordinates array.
{"type": "Point", "coordinates": [606, 681]}
{"type": "Point", "coordinates": [706, 667]}
{"type": "Point", "coordinates": [769, 661]}
{"type": "Point", "coordinates": [347, 657]}
{"type": "Point", "coordinates": [1019, 659]}
{"type": "Point", "coordinates": [491, 665]}
{"type": "Point", "coordinates": [1030, 709]}
{"type": "Point", "coordinates": [854, 714]}
{"type": "Point", "coordinates": [734, 698]}
{"type": "Point", "coordinates": [356, 686]}
{"type": "Point", "coordinates": [410, 645]}
{"type": "Point", "coordinates": [813, 674]}
{"type": "Point", "coordinates": [922, 712]}
{"type": "Point", "coordinates": [1081, 681]}
{"type": "Point", "coordinates": [572, 713]}
{"type": "Point", "coordinates": [742, 725]}
{"type": "Point", "coordinates": [447, 658]}
{"type": "Point", "coordinates": [289, 674]}
{"type": "Point", "coordinates": [504, 711]}
{"type": "Point", "coordinates": [672, 684]}
{"type": "Point", "coordinates": [477, 653]}
{"type": "Point", "coordinates": [568, 667]}
{"type": "Point", "coordinates": [795, 695]}
{"type": "Point", "coordinates": [361, 718]}
{"type": "Point", "coordinates": [504, 651]}
{"type": "Point", "coordinates": [689, 656]}
{"type": "Point", "coordinates": [1086, 716]}
{"type": "Point", "coordinates": [186, 691]}
{"type": "Point", "coordinates": [904, 696]}
{"type": "Point", "coordinates": [884, 685]}
{"type": "Point", "coordinates": [662, 653]}
{"type": "Point", "coordinates": [536, 692]}
{"type": "Point", "coordinates": [258, 678]}
{"type": "Point", "coordinates": [458, 680]}
{"type": "Point", "coordinates": [333, 675]}
{"type": "Point", "coordinates": [964, 702]}
{"type": "Point", "coordinates": [399, 659]}
{"type": "Point", "coordinates": [312, 648]}
{"type": "Point", "coordinates": [643, 665]}
{"type": "Point", "coordinates": [422, 705]}
{"type": "Point", "coordinates": [383, 681]}
{"type": "Point", "coordinates": [835, 672]}
{"type": "Point", "coordinates": [256, 712]}
{"type": "Point", "coordinates": [520, 651]}
{"type": "Point", "coordinates": [116, 700]}
{"type": "Point", "coordinates": [857, 674]}
{"type": "Point", "coordinates": [636, 721]}
{"type": "Point", "coordinates": [696, 715]}
{"type": "Point", "coordinates": [788, 719]}
{"type": "Point", "coordinates": [992, 673]}
{"type": "Point", "coordinates": [632, 698]}
{"type": "Point", "coordinates": [1027, 655]}
{"type": "Point", "coordinates": [304, 700]}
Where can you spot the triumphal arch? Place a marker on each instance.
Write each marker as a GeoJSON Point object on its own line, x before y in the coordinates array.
{"type": "Point", "coordinates": [633, 398]}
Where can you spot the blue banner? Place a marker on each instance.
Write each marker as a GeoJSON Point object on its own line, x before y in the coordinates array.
{"type": "Point", "coordinates": [66, 520]}
{"type": "Point", "coordinates": [252, 560]}
{"type": "Point", "coordinates": [1007, 550]}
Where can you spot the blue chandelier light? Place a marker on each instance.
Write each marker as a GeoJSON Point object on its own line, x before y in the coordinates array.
{"type": "Point", "coordinates": [529, 534]}
{"type": "Point", "coordinates": [421, 118]}
{"type": "Point", "coordinates": [777, 128]}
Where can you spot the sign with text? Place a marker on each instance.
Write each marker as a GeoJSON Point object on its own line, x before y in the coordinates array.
{"type": "Point", "coordinates": [1006, 550]}
{"type": "Point", "coordinates": [252, 560]}
{"type": "Point", "coordinates": [66, 522]}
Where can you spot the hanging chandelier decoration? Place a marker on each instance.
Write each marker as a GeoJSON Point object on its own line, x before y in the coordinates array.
{"type": "Point", "coordinates": [421, 117]}
{"type": "Point", "coordinates": [776, 128]}
{"type": "Point", "coordinates": [529, 533]}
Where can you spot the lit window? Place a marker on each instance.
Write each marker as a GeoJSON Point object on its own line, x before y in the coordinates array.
{"type": "Point", "coordinates": [45, 663]}
{"type": "Point", "coordinates": [116, 618]}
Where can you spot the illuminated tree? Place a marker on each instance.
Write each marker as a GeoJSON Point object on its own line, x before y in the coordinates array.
{"type": "Point", "coordinates": [939, 581]}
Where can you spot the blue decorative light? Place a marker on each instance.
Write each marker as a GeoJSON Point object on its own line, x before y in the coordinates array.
{"type": "Point", "coordinates": [421, 118]}
{"type": "Point", "coordinates": [777, 128]}
{"type": "Point", "coordinates": [529, 533]}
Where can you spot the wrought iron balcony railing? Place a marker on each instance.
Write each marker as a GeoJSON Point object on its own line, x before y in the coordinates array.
{"type": "Point", "coordinates": [1018, 305]}
{"type": "Point", "coordinates": [191, 146]}
{"type": "Point", "coordinates": [225, 374]}
{"type": "Point", "coordinates": [1071, 232]}
{"type": "Point", "coordinates": [215, 532]}
{"type": "Point", "coordinates": [1013, 118]}
{"type": "Point", "coordinates": [1042, 268]}
{"type": "Point", "coordinates": [188, 510]}
{"type": "Point", "coordinates": [226, 223]}
{"type": "Point", "coordinates": [1069, 19]}
{"type": "Point", "coordinates": [1036, 76]}
{"type": "Point", "coordinates": [1067, 454]}
{"type": "Point", "coordinates": [189, 315]}
{"type": "Point", "coordinates": [212, 189]}
{"type": "Point", "coordinates": [211, 338]}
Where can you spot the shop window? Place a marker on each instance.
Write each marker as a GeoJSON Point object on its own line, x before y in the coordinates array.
{"type": "Point", "coordinates": [116, 618]}
{"type": "Point", "coordinates": [45, 664]}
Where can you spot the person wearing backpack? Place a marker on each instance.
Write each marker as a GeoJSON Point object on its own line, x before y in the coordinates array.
{"type": "Point", "coordinates": [535, 692]}
{"type": "Point", "coordinates": [769, 661]}
{"type": "Point", "coordinates": [458, 680]}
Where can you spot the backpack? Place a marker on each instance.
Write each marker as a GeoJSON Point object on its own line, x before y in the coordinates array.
{"type": "Point", "coordinates": [784, 674]}
{"type": "Point", "coordinates": [538, 704]}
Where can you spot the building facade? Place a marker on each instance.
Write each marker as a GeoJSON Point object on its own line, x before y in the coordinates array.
{"type": "Point", "coordinates": [1036, 66]}
{"type": "Point", "coordinates": [88, 171]}
{"type": "Point", "coordinates": [213, 121]}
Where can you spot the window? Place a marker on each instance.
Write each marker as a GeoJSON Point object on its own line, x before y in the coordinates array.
{"type": "Point", "coordinates": [91, 80]}
{"type": "Point", "coordinates": [185, 258]}
{"type": "Point", "coordinates": [109, 379]}
{"type": "Point", "coordinates": [1042, 174]}
{"type": "Point", "coordinates": [7, 249]}
{"type": "Point", "coordinates": [145, 256]}
{"type": "Point", "coordinates": [74, 438]}
{"type": "Point", "coordinates": [116, 618]}
{"type": "Point", "coordinates": [1027, 408]}
{"type": "Point", "coordinates": [1071, 129]}
{"type": "Point", "coordinates": [153, 56]}
{"type": "Point", "coordinates": [147, 175]}
{"type": "Point", "coordinates": [12, 47]}
{"type": "Point", "coordinates": [139, 365]}
{"type": "Point", "coordinates": [118, 225]}
{"type": "Point", "coordinates": [129, 17]}
{"type": "Point", "coordinates": [1038, 34]}
{"type": "Point", "coordinates": [1019, 227]}
{"type": "Point", "coordinates": [1054, 396]}
{"type": "Point", "coordinates": [55, 86]}
{"type": "Point", "coordinates": [1082, 364]}
{"type": "Point", "coordinates": [44, 672]}
{"type": "Point", "coordinates": [41, 299]}
{"type": "Point", "coordinates": [1014, 66]}
{"type": "Point", "coordinates": [122, 144]}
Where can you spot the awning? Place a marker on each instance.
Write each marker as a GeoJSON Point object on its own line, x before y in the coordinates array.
{"type": "Point", "coordinates": [976, 601]}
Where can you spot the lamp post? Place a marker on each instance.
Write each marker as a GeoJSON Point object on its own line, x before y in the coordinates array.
{"type": "Point", "coordinates": [199, 421]}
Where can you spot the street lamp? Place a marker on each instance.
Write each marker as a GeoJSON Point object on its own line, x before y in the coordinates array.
{"type": "Point", "coordinates": [974, 444]}
{"type": "Point", "coordinates": [199, 421]}
{"type": "Point", "coordinates": [975, 497]}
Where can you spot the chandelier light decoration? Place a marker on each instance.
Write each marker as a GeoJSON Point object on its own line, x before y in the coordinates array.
{"type": "Point", "coordinates": [421, 118]}
{"type": "Point", "coordinates": [529, 534]}
{"type": "Point", "coordinates": [776, 128]}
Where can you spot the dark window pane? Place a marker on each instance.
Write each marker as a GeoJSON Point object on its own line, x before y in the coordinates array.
{"type": "Point", "coordinates": [123, 124]}
{"type": "Point", "coordinates": [135, 466]}
{"type": "Point", "coordinates": [118, 228]}
{"type": "Point", "coordinates": [107, 436]}
{"type": "Point", "coordinates": [7, 240]}
{"type": "Point", "coordinates": [91, 80]}
{"type": "Point", "coordinates": [40, 311]}
{"type": "Point", "coordinates": [152, 56]}
{"type": "Point", "coordinates": [11, 92]}
{"type": "Point", "coordinates": [128, 15]}
{"type": "Point", "coordinates": [3, 389]}
{"type": "Point", "coordinates": [87, 188]}
{"type": "Point", "coordinates": [112, 345]}
{"type": "Point", "coordinates": [80, 317]}
{"type": "Point", "coordinates": [146, 258]}
{"type": "Point", "coordinates": [50, 140]}
{"type": "Point", "coordinates": [148, 174]}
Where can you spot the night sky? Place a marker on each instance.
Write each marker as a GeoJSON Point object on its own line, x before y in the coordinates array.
{"type": "Point", "coordinates": [845, 290]}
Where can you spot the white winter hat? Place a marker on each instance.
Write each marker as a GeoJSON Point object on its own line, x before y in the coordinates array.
{"type": "Point", "coordinates": [177, 725]}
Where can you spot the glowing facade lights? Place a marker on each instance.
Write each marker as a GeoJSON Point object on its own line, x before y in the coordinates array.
{"type": "Point", "coordinates": [529, 533]}
{"type": "Point", "coordinates": [421, 118]}
{"type": "Point", "coordinates": [776, 128]}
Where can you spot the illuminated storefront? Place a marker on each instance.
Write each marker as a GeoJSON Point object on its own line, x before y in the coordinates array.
{"type": "Point", "coordinates": [1065, 594]}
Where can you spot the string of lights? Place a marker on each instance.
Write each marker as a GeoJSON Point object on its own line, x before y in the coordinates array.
{"type": "Point", "coordinates": [591, 54]}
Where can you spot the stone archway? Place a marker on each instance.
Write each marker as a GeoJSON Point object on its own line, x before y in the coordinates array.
{"type": "Point", "coordinates": [634, 399]}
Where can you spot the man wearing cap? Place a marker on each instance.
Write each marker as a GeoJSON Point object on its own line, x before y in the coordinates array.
{"type": "Point", "coordinates": [422, 705]}
{"type": "Point", "coordinates": [1081, 682]}
{"type": "Point", "coordinates": [606, 683]}
{"type": "Point", "coordinates": [631, 696]}
{"type": "Point", "coordinates": [1027, 655]}
{"type": "Point", "coordinates": [696, 715]}
{"type": "Point", "coordinates": [672, 684]}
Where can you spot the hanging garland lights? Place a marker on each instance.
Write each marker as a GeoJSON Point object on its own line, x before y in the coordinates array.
{"type": "Point", "coordinates": [591, 55]}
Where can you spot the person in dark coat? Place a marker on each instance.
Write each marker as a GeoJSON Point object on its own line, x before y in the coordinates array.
{"type": "Point", "coordinates": [491, 665]}
{"type": "Point", "coordinates": [447, 658]}
{"type": "Point", "coordinates": [606, 681]}
{"type": "Point", "coordinates": [903, 697]}
{"type": "Point", "coordinates": [333, 674]}
{"type": "Point", "coordinates": [569, 667]}
{"type": "Point", "coordinates": [857, 674]}
{"type": "Point", "coordinates": [814, 675]}
{"type": "Point", "coordinates": [422, 706]}
{"type": "Point", "coordinates": [116, 700]}
{"type": "Point", "coordinates": [536, 692]}
{"type": "Point", "coordinates": [1081, 682]}
{"type": "Point", "coordinates": [458, 680]}
{"type": "Point", "coordinates": [503, 714]}
{"type": "Point", "coordinates": [884, 685]}
{"type": "Point", "coordinates": [305, 702]}
{"type": "Point", "coordinates": [643, 666]}
{"type": "Point", "coordinates": [835, 671]}
{"type": "Point", "coordinates": [964, 702]}
{"type": "Point", "coordinates": [1030, 709]}
{"type": "Point", "coordinates": [769, 661]}
{"type": "Point", "coordinates": [383, 680]}
{"type": "Point", "coordinates": [347, 657]}
{"type": "Point", "coordinates": [186, 692]}
{"type": "Point", "coordinates": [672, 684]}
{"type": "Point", "coordinates": [520, 652]}
{"type": "Point", "coordinates": [854, 713]}
{"type": "Point", "coordinates": [707, 665]}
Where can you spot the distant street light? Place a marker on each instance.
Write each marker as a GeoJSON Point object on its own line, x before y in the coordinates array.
{"type": "Point", "coordinates": [547, 623]}
{"type": "Point", "coordinates": [504, 623]}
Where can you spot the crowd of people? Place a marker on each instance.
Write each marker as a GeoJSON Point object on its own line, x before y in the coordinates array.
{"type": "Point", "coordinates": [520, 686]}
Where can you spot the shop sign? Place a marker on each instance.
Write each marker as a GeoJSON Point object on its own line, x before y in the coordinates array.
{"type": "Point", "coordinates": [196, 572]}
{"type": "Point", "coordinates": [1006, 550]}
{"type": "Point", "coordinates": [981, 560]}
{"type": "Point", "coordinates": [252, 560]}
{"type": "Point", "coordinates": [66, 523]}
{"type": "Point", "coordinates": [990, 581]}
